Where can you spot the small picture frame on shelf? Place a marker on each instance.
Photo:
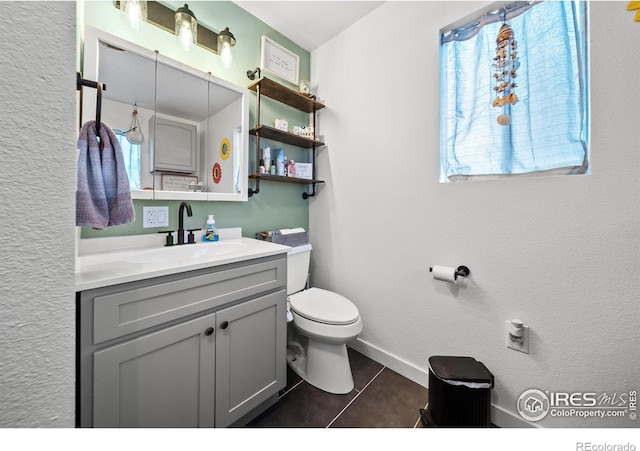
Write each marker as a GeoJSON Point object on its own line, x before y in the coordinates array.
{"type": "Point", "coordinates": [176, 182]}
{"type": "Point", "coordinates": [304, 170]}
{"type": "Point", "coordinates": [279, 61]}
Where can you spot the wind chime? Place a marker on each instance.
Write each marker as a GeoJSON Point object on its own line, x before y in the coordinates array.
{"type": "Point", "coordinates": [506, 64]}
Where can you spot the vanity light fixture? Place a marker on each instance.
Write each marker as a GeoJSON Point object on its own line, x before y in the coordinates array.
{"type": "Point", "coordinates": [183, 20]}
{"type": "Point", "coordinates": [186, 27]}
{"type": "Point", "coordinates": [135, 12]}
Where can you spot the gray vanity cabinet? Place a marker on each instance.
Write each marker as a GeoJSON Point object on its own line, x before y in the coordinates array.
{"type": "Point", "coordinates": [204, 348]}
{"type": "Point", "coordinates": [163, 379]}
{"type": "Point", "coordinates": [250, 356]}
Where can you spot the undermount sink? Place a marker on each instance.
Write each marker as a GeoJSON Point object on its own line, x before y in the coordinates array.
{"type": "Point", "coordinates": [115, 260]}
{"type": "Point", "coordinates": [187, 252]}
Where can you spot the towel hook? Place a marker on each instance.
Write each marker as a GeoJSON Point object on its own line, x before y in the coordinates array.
{"type": "Point", "coordinates": [98, 114]}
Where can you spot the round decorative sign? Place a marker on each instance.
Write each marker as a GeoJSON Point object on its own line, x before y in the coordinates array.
{"type": "Point", "coordinates": [216, 173]}
{"type": "Point", "coordinates": [225, 148]}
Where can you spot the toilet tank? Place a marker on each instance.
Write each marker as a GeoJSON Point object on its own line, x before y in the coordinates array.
{"type": "Point", "coordinates": [298, 259]}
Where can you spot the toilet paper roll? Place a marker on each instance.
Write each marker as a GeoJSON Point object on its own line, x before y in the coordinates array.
{"type": "Point", "coordinates": [444, 273]}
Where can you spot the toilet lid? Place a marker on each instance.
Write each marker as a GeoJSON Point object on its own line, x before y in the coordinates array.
{"type": "Point", "coordinates": [324, 306]}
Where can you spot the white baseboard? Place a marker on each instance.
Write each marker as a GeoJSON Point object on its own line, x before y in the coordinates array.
{"type": "Point", "coordinates": [505, 419]}
{"type": "Point", "coordinates": [418, 375]}
{"type": "Point", "coordinates": [499, 416]}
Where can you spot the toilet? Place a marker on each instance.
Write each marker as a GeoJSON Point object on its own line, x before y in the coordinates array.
{"type": "Point", "coordinates": [323, 323]}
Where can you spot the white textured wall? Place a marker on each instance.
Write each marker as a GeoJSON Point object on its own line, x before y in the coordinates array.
{"type": "Point", "coordinates": [37, 186]}
{"type": "Point", "coordinates": [560, 253]}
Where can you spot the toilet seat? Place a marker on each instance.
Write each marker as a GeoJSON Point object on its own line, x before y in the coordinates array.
{"type": "Point", "coordinates": [326, 307]}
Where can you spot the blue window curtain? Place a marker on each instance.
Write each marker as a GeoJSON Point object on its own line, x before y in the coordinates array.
{"type": "Point", "coordinates": [131, 155]}
{"type": "Point", "coordinates": [549, 126]}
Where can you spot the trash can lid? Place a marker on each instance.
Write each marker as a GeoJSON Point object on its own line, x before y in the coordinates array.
{"type": "Point", "coordinates": [461, 371]}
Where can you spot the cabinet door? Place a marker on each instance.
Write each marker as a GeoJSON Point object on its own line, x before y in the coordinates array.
{"type": "Point", "coordinates": [163, 379]}
{"type": "Point", "coordinates": [174, 147]}
{"type": "Point", "coordinates": [250, 355]}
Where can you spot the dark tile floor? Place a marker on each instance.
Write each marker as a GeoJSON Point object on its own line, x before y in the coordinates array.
{"type": "Point", "coordinates": [381, 398]}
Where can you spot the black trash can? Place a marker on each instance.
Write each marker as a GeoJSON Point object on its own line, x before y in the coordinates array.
{"type": "Point", "coordinates": [459, 393]}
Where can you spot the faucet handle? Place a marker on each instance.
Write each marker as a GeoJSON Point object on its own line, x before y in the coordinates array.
{"type": "Point", "coordinates": [169, 240]}
{"type": "Point", "coordinates": [190, 237]}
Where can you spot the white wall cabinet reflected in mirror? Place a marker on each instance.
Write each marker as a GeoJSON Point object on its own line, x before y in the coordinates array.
{"type": "Point", "coordinates": [194, 125]}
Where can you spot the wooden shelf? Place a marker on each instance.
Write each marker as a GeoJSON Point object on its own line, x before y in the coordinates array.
{"type": "Point", "coordinates": [280, 178]}
{"type": "Point", "coordinates": [302, 102]}
{"type": "Point", "coordinates": [285, 95]}
{"type": "Point", "coordinates": [267, 132]}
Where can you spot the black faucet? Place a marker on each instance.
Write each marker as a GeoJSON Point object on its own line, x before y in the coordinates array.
{"type": "Point", "coordinates": [183, 205]}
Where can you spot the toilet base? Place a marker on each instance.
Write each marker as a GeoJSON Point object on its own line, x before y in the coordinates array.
{"type": "Point", "coordinates": [324, 365]}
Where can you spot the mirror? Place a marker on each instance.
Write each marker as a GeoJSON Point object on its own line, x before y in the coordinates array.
{"type": "Point", "coordinates": [194, 125]}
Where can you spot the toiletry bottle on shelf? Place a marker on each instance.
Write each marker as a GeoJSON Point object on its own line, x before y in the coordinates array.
{"type": "Point", "coordinates": [266, 157]}
{"type": "Point", "coordinates": [280, 162]}
{"type": "Point", "coordinates": [211, 234]}
{"type": "Point", "coordinates": [273, 167]}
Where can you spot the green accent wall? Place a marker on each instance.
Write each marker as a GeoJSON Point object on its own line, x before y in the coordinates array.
{"type": "Point", "coordinates": [277, 205]}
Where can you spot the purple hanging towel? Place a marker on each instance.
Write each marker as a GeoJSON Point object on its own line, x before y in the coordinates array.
{"type": "Point", "coordinates": [103, 198]}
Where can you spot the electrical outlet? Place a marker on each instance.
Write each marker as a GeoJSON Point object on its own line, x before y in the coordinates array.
{"type": "Point", "coordinates": [149, 216]}
{"type": "Point", "coordinates": [155, 217]}
{"type": "Point", "coordinates": [517, 336]}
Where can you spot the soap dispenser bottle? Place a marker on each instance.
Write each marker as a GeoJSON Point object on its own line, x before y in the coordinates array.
{"type": "Point", "coordinates": [211, 233]}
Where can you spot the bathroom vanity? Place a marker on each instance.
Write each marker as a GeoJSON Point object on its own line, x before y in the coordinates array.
{"type": "Point", "coordinates": [187, 336]}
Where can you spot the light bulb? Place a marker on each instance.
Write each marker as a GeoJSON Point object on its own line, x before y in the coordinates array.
{"type": "Point", "coordinates": [226, 55]}
{"type": "Point", "coordinates": [135, 12]}
{"type": "Point", "coordinates": [185, 36]}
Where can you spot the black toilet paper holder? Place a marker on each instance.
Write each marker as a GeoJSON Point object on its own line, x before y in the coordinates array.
{"type": "Point", "coordinates": [462, 271]}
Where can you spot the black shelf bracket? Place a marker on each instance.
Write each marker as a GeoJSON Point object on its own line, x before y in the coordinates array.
{"type": "Point", "coordinates": [306, 195]}
{"type": "Point", "coordinates": [257, 190]}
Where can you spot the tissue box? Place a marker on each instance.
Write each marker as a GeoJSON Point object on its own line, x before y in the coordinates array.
{"type": "Point", "coordinates": [305, 132]}
{"type": "Point", "coordinates": [282, 124]}
{"type": "Point", "coordinates": [304, 170]}
{"type": "Point", "coordinates": [292, 237]}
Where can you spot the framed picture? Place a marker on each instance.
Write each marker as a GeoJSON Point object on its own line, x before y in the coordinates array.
{"type": "Point", "coordinates": [279, 61]}
{"type": "Point", "coordinates": [174, 182]}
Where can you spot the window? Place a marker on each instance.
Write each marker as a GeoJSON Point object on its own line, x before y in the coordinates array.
{"type": "Point", "coordinates": [549, 124]}
{"type": "Point", "coordinates": [131, 154]}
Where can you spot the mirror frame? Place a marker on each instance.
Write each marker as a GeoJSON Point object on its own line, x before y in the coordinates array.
{"type": "Point", "coordinates": [91, 48]}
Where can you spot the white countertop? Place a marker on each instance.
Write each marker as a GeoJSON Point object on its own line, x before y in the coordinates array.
{"type": "Point", "coordinates": [104, 268]}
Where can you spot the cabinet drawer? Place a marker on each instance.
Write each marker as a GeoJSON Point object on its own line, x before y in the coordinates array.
{"type": "Point", "coordinates": [150, 303]}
